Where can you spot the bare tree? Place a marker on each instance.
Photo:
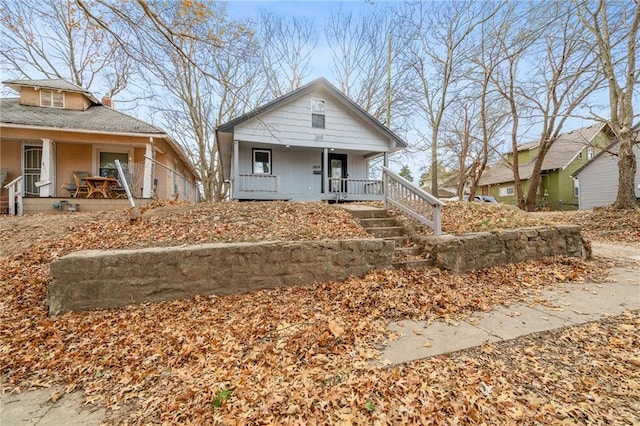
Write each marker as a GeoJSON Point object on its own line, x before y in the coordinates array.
{"type": "Point", "coordinates": [53, 39]}
{"type": "Point", "coordinates": [614, 26]}
{"type": "Point", "coordinates": [190, 102]}
{"type": "Point", "coordinates": [366, 62]}
{"type": "Point", "coordinates": [438, 36]}
{"type": "Point", "coordinates": [513, 35]}
{"type": "Point", "coordinates": [288, 45]}
{"type": "Point", "coordinates": [563, 78]}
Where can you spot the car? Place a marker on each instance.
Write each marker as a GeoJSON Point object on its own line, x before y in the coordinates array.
{"type": "Point", "coordinates": [481, 198]}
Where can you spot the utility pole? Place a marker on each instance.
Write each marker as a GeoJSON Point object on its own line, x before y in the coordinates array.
{"type": "Point", "coordinates": [388, 123]}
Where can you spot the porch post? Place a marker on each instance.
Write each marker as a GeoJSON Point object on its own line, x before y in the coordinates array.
{"type": "Point", "coordinates": [148, 170]}
{"type": "Point", "coordinates": [385, 180]}
{"type": "Point", "coordinates": [325, 170]}
{"type": "Point", "coordinates": [236, 162]}
{"type": "Point", "coordinates": [47, 182]}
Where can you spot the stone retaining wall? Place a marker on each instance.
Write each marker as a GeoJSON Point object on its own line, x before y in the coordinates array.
{"type": "Point", "coordinates": [485, 249]}
{"type": "Point", "coordinates": [102, 279]}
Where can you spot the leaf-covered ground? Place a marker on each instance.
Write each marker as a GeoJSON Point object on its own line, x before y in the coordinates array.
{"type": "Point", "coordinates": [307, 355]}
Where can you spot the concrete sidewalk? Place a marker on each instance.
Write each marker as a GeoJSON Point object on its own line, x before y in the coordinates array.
{"type": "Point", "coordinates": [566, 305]}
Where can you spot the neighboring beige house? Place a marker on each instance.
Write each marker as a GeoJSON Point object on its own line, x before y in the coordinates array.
{"type": "Point", "coordinates": [56, 128]}
{"type": "Point", "coordinates": [311, 144]}
{"type": "Point", "coordinates": [598, 179]}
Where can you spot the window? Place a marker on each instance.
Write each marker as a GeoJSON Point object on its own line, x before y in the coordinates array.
{"type": "Point", "coordinates": [108, 163]}
{"type": "Point", "coordinates": [49, 98]}
{"type": "Point", "coordinates": [507, 191]}
{"type": "Point", "coordinates": [589, 153]}
{"type": "Point", "coordinates": [576, 188]}
{"type": "Point", "coordinates": [261, 161]}
{"type": "Point", "coordinates": [317, 113]}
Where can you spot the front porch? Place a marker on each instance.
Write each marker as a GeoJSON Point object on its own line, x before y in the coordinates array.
{"type": "Point", "coordinates": [268, 187]}
{"type": "Point", "coordinates": [37, 205]}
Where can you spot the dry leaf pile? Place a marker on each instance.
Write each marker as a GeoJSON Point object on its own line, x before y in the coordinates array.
{"type": "Point", "coordinates": [308, 354]}
{"type": "Point", "coordinates": [459, 217]}
{"type": "Point", "coordinates": [603, 224]}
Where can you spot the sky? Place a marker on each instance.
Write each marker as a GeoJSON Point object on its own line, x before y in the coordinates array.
{"type": "Point", "coordinates": [316, 10]}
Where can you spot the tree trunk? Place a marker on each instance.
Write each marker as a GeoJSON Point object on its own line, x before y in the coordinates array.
{"type": "Point", "coordinates": [627, 165]}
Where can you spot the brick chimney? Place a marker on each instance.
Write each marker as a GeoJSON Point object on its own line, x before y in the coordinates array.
{"type": "Point", "coordinates": [106, 101]}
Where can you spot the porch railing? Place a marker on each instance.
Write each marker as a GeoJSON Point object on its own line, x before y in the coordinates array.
{"type": "Point", "coordinates": [258, 183]}
{"type": "Point", "coordinates": [412, 201]}
{"type": "Point", "coordinates": [355, 186]}
{"type": "Point", "coordinates": [15, 196]}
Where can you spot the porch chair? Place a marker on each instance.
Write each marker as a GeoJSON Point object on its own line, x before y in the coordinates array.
{"type": "Point", "coordinates": [81, 187]}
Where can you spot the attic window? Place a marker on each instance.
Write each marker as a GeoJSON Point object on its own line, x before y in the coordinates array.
{"type": "Point", "coordinates": [317, 113]}
{"type": "Point", "coordinates": [589, 153]}
{"type": "Point", "coordinates": [51, 99]}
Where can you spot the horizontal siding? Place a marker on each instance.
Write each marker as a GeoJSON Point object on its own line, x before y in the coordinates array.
{"type": "Point", "coordinates": [296, 167]}
{"type": "Point", "coordinates": [599, 182]}
{"type": "Point", "coordinates": [290, 124]}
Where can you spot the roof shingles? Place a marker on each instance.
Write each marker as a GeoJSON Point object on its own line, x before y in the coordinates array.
{"type": "Point", "coordinates": [95, 118]}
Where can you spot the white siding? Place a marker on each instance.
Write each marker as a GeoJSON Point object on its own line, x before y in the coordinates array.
{"type": "Point", "coordinates": [599, 181]}
{"type": "Point", "coordinates": [290, 124]}
{"type": "Point", "coordinates": [296, 166]}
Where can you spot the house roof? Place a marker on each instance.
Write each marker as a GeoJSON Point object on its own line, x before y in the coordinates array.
{"type": "Point", "coordinates": [613, 147]}
{"type": "Point", "coordinates": [95, 118]}
{"type": "Point", "coordinates": [301, 91]}
{"type": "Point", "coordinates": [53, 84]}
{"type": "Point", "coordinates": [561, 153]}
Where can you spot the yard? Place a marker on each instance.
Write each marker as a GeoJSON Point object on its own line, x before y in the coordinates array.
{"type": "Point", "coordinates": [310, 355]}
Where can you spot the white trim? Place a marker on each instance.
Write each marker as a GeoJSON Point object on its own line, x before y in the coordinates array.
{"type": "Point", "coordinates": [147, 179]}
{"type": "Point", "coordinates": [117, 149]}
{"type": "Point", "coordinates": [88, 131]}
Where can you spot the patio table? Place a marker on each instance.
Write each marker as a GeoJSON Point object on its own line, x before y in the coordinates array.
{"type": "Point", "coordinates": [100, 185]}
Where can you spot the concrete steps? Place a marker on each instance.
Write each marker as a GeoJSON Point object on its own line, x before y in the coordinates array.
{"type": "Point", "coordinates": [377, 222]}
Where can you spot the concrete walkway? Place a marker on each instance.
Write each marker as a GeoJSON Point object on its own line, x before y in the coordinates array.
{"type": "Point", "coordinates": [571, 304]}
{"type": "Point", "coordinates": [566, 305]}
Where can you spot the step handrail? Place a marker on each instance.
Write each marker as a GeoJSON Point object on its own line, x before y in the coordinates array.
{"type": "Point", "coordinates": [15, 191]}
{"type": "Point", "coordinates": [412, 201]}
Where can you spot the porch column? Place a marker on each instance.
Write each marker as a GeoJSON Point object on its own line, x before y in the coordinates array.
{"type": "Point", "coordinates": [148, 171]}
{"type": "Point", "coordinates": [325, 170]}
{"type": "Point", "coordinates": [234, 171]}
{"type": "Point", "coordinates": [385, 180]}
{"type": "Point", "coordinates": [47, 182]}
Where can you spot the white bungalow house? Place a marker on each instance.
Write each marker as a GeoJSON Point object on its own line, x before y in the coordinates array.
{"type": "Point", "coordinates": [311, 144]}
{"type": "Point", "coordinates": [597, 181]}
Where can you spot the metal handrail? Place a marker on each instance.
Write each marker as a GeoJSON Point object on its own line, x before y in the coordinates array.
{"type": "Point", "coordinates": [15, 190]}
{"type": "Point", "coordinates": [412, 201]}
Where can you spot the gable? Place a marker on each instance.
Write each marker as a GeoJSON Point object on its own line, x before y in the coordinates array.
{"type": "Point", "coordinates": [291, 124]}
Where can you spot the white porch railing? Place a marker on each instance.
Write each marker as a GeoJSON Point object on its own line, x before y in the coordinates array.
{"type": "Point", "coordinates": [15, 196]}
{"type": "Point", "coordinates": [355, 186]}
{"type": "Point", "coordinates": [257, 183]}
{"type": "Point", "coordinates": [412, 201]}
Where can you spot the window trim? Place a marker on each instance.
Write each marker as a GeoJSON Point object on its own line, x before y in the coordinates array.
{"type": "Point", "coordinates": [317, 114]}
{"type": "Point", "coordinates": [52, 101]}
{"type": "Point", "coordinates": [253, 160]}
{"type": "Point", "coordinates": [507, 191]}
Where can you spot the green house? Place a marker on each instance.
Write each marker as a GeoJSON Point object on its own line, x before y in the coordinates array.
{"type": "Point", "coordinates": [557, 190]}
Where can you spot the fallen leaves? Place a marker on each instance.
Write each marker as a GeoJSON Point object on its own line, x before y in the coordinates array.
{"type": "Point", "coordinates": [307, 353]}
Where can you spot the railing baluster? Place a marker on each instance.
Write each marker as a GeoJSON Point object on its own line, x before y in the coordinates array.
{"type": "Point", "coordinates": [412, 200]}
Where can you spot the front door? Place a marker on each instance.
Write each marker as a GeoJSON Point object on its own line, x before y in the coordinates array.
{"type": "Point", "coordinates": [31, 160]}
{"type": "Point", "coordinates": [338, 172]}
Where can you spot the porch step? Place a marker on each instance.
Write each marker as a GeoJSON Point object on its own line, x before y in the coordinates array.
{"type": "Point", "coordinates": [403, 252]}
{"type": "Point", "coordinates": [378, 222]}
{"type": "Point", "coordinates": [400, 241]}
{"type": "Point", "coordinates": [412, 264]}
{"type": "Point", "coordinates": [387, 231]}
{"type": "Point", "coordinates": [365, 212]}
